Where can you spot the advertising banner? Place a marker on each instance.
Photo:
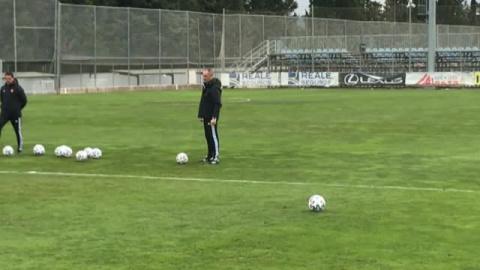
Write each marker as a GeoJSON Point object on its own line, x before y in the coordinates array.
{"type": "Point", "coordinates": [441, 78]}
{"type": "Point", "coordinates": [258, 79]}
{"type": "Point", "coordinates": [323, 79]}
{"type": "Point", "coordinates": [357, 79]}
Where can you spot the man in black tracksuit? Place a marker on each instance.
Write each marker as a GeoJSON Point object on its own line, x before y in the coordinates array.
{"type": "Point", "coordinates": [13, 101]}
{"type": "Point", "coordinates": [209, 113]}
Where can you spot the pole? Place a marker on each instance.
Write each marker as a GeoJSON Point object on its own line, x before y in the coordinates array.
{"type": "Point", "coordinates": [214, 41]}
{"type": "Point", "coordinates": [199, 45]}
{"type": "Point", "coordinates": [223, 42]}
{"type": "Point", "coordinates": [188, 43]}
{"type": "Point", "coordinates": [55, 27]}
{"type": "Point", "coordinates": [263, 28]}
{"type": "Point", "coordinates": [128, 45]}
{"type": "Point", "coordinates": [159, 46]}
{"type": "Point", "coordinates": [432, 34]}
{"type": "Point", "coordinates": [240, 35]}
{"type": "Point", "coordinates": [59, 48]}
{"type": "Point", "coordinates": [313, 20]}
{"type": "Point", "coordinates": [15, 33]}
{"type": "Point", "coordinates": [410, 37]}
{"type": "Point", "coordinates": [94, 45]}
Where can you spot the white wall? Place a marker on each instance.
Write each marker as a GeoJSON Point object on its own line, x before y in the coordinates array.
{"type": "Point", "coordinates": [115, 79]}
{"type": "Point", "coordinates": [38, 85]}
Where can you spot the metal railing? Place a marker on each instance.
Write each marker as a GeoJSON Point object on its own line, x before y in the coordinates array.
{"type": "Point", "coordinates": [257, 56]}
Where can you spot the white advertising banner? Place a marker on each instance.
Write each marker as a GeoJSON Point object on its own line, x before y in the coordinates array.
{"type": "Point", "coordinates": [265, 79]}
{"type": "Point", "coordinates": [440, 78]}
{"type": "Point", "coordinates": [253, 79]}
{"type": "Point", "coordinates": [323, 79]}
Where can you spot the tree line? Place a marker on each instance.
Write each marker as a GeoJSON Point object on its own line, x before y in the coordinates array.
{"type": "Point", "coordinates": [284, 7]}
{"type": "Point", "coordinates": [457, 12]}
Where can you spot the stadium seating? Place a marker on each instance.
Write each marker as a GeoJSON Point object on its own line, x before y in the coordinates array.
{"type": "Point", "coordinates": [373, 59]}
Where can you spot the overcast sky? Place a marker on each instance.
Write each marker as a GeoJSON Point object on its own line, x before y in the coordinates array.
{"type": "Point", "coordinates": [303, 5]}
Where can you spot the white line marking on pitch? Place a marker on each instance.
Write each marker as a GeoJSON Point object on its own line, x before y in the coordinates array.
{"type": "Point", "coordinates": [112, 176]}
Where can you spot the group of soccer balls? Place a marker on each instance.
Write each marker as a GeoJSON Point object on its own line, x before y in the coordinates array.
{"type": "Point", "coordinates": [61, 151]}
{"type": "Point", "coordinates": [316, 203]}
{"type": "Point", "coordinates": [82, 155]}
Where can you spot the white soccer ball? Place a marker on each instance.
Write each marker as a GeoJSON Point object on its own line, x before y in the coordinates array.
{"type": "Point", "coordinates": [58, 151]}
{"type": "Point", "coordinates": [182, 158]}
{"type": "Point", "coordinates": [317, 203]}
{"type": "Point", "coordinates": [89, 152]}
{"type": "Point", "coordinates": [81, 156]}
{"type": "Point", "coordinates": [8, 151]}
{"type": "Point", "coordinates": [68, 152]}
{"type": "Point", "coordinates": [63, 151]}
{"type": "Point", "coordinates": [39, 150]}
{"type": "Point", "coordinates": [97, 153]}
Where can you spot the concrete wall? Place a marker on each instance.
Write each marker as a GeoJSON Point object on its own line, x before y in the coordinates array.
{"type": "Point", "coordinates": [115, 79]}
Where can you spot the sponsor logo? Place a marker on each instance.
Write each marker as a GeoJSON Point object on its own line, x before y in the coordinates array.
{"type": "Point", "coordinates": [441, 79]}
{"type": "Point", "coordinates": [234, 80]}
{"type": "Point", "coordinates": [250, 79]}
{"type": "Point", "coordinates": [353, 79]}
{"type": "Point", "coordinates": [313, 78]}
{"type": "Point", "coordinates": [293, 78]}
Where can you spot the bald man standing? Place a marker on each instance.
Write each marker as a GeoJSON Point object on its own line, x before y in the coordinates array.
{"type": "Point", "coordinates": [209, 114]}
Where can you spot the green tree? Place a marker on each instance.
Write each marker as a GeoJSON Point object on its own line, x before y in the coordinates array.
{"type": "Point", "coordinates": [284, 7]}
{"type": "Point", "coordinates": [473, 12]}
{"type": "Point", "coordinates": [396, 10]}
{"type": "Point", "coordinates": [452, 12]}
{"type": "Point", "coordinates": [361, 10]}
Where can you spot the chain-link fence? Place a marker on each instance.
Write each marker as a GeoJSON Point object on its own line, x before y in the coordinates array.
{"type": "Point", "coordinates": [106, 46]}
{"type": "Point", "coordinates": [27, 35]}
{"type": "Point", "coordinates": [28, 41]}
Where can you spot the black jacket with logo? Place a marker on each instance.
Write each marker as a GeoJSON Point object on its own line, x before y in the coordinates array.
{"type": "Point", "coordinates": [13, 100]}
{"type": "Point", "coordinates": [211, 100]}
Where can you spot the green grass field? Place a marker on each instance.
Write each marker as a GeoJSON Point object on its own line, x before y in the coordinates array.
{"type": "Point", "coordinates": [399, 170]}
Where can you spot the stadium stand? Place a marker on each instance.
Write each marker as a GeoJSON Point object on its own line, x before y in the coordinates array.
{"type": "Point", "coordinates": [379, 54]}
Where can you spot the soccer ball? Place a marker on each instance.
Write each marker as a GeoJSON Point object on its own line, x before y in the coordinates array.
{"type": "Point", "coordinates": [8, 151]}
{"type": "Point", "coordinates": [96, 153]}
{"type": "Point", "coordinates": [68, 151]}
{"type": "Point", "coordinates": [317, 203]}
{"type": "Point", "coordinates": [63, 151]}
{"type": "Point", "coordinates": [182, 158]}
{"type": "Point", "coordinates": [39, 150]}
{"type": "Point", "coordinates": [58, 152]}
{"type": "Point", "coordinates": [81, 156]}
{"type": "Point", "coordinates": [89, 152]}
